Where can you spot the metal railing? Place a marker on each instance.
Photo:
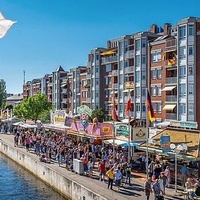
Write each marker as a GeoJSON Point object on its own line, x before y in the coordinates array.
{"type": "Point", "coordinates": [171, 116]}
{"type": "Point", "coordinates": [108, 59]}
{"type": "Point", "coordinates": [171, 98]}
{"type": "Point", "coordinates": [171, 80]}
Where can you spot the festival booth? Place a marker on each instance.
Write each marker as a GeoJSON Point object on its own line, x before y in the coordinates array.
{"type": "Point", "coordinates": [80, 130]}
{"type": "Point", "coordinates": [178, 134]}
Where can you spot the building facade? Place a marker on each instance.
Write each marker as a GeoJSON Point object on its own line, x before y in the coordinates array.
{"type": "Point", "coordinates": [163, 60]}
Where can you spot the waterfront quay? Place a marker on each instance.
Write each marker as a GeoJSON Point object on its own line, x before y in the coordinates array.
{"type": "Point", "coordinates": [71, 185]}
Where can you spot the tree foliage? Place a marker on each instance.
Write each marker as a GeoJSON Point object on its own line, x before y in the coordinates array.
{"type": "Point", "coordinates": [33, 108]}
{"type": "Point", "coordinates": [99, 114]}
{"type": "Point", "coordinates": [3, 94]}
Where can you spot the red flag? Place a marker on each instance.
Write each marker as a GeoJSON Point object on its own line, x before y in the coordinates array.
{"type": "Point", "coordinates": [128, 106]}
{"type": "Point", "coordinates": [114, 112]}
{"type": "Point", "coordinates": [151, 113]}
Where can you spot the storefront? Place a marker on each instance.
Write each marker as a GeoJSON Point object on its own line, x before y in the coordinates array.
{"type": "Point", "coordinates": [189, 138]}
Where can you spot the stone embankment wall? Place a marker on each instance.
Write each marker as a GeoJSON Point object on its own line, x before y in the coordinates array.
{"type": "Point", "coordinates": [68, 188]}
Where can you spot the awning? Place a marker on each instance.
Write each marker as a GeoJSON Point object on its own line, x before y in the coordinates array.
{"type": "Point", "coordinates": [116, 141]}
{"type": "Point", "coordinates": [108, 53]}
{"type": "Point", "coordinates": [168, 88]}
{"type": "Point", "coordinates": [128, 90]}
{"type": "Point", "coordinates": [169, 107]}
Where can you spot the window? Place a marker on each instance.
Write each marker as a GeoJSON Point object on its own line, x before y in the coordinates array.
{"type": "Point", "coordinates": [182, 89]}
{"type": "Point", "coordinates": [159, 75]}
{"type": "Point", "coordinates": [137, 107]}
{"type": "Point", "coordinates": [97, 57]}
{"type": "Point", "coordinates": [97, 82]}
{"type": "Point", "coordinates": [190, 30]}
{"type": "Point", "coordinates": [153, 90]}
{"type": "Point", "coordinates": [137, 92]}
{"type": "Point", "coordinates": [154, 106]}
{"type": "Point", "coordinates": [143, 43]}
{"type": "Point", "coordinates": [97, 69]}
{"type": "Point", "coordinates": [84, 83]}
{"type": "Point", "coordinates": [143, 59]}
{"type": "Point", "coordinates": [137, 76]}
{"type": "Point", "coordinates": [190, 89]}
{"type": "Point", "coordinates": [190, 50]}
{"type": "Point", "coordinates": [159, 107]}
{"type": "Point", "coordinates": [182, 71]}
{"type": "Point", "coordinates": [182, 108]}
{"type": "Point", "coordinates": [137, 45]}
{"type": "Point", "coordinates": [182, 32]}
{"type": "Point", "coordinates": [159, 90]}
{"type": "Point", "coordinates": [108, 68]}
{"type": "Point", "coordinates": [137, 60]}
{"type": "Point", "coordinates": [191, 109]}
{"type": "Point", "coordinates": [153, 74]}
{"type": "Point", "coordinates": [108, 80]}
{"type": "Point", "coordinates": [191, 70]}
{"type": "Point", "coordinates": [156, 56]}
{"type": "Point", "coordinates": [143, 107]}
{"type": "Point", "coordinates": [182, 52]}
{"type": "Point", "coordinates": [143, 75]}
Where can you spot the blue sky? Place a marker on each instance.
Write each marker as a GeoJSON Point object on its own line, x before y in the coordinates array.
{"type": "Point", "coordinates": [49, 33]}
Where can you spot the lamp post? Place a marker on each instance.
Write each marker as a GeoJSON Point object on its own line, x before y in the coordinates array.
{"type": "Point", "coordinates": [177, 149]}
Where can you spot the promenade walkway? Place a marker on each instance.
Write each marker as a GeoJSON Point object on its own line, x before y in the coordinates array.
{"type": "Point", "coordinates": [135, 191]}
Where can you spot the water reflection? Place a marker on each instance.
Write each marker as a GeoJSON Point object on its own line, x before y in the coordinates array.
{"type": "Point", "coordinates": [18, 184]}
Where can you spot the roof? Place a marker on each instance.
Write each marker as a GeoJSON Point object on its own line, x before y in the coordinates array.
{"type": "Point", "coordinates": [15, 97]}
{"type": "Point", "coordinates": [60, 69]}
{"type": "Point", "coordinates": [179, 136]}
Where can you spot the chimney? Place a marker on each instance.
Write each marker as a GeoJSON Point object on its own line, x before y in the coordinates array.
{"type": "Point", "coordinates": [167, 29]}
{"type": "Point", "coordinates": [153, 28]}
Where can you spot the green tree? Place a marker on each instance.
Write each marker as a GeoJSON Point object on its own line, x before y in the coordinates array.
{"type": "Point", "coordinates": [37, 105]}
{"type": "Point", "coordinates": [21, 110]}
{"type": "Point", "coordinates": [3, 94]}
{"type": "Point", "coordinates": [33, 108]}
{"type": "Point", "coordinates": [99, 114]}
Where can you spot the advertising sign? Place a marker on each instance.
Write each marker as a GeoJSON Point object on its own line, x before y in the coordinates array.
{"type": "Point", "coordinates": [58, 117]}
{"type": "Point", "coordinates": [165, 143]}
{"type": "Point", "coordinates": [122, 131]}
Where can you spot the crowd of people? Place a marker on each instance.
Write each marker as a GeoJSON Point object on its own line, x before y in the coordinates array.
{"type": "Point", "coordinates": [100, 160]}
{"type": "Point", "coordinates": [62, 148]}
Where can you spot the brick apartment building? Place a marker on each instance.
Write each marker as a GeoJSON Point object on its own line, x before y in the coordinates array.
{"type": "Point", "coordinates": [164, 60]}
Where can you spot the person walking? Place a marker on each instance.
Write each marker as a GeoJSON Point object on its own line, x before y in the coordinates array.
{"type": "Point", "coordinates": [167, 173]}
{"type": "Point", "coordinates": [157, 190]}
{"type": "Point", "coordinates": [128, 174]}
{"type": "Point", "coordinates": [148, 187]}
{"type": "Point", "coordinates": [118, 177]}
{"type": "Point", "coordinates": [184, 172]}
{"type": "Point", "coordinates": [110, 174]}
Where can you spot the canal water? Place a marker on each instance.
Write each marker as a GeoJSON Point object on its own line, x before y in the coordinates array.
{"type": "Point", "coordinates": [18, 184]}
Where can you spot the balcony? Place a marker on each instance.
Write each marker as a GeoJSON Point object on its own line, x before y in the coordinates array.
{"type": "Point", "coordinates": [129, 69]}
{"type": "Point", "coordinates": [129, 54]}
{"type": "Point", "coordinates": [115, 72]}
{"type": "Point", "coordinates": [109, 59]}
{"type": "Point", "coordinates": [171, 116]}
{"type": "Point", "coordinates": [64, 90]}
{"type": "Point", "coordinates": [171, 98]}
{"type": "Point", "coordinates": [115, 86]}
{"type": "Point", "coordinates": [171, 45]}
{"type": "Point", "coordinates": [171, 63]}
{"type": "Point", "coordinates": [64, 100]}
{"type": "Point", "coordinates": [171, 80]}
{"type": "Point", "coordinates": [88, 100]}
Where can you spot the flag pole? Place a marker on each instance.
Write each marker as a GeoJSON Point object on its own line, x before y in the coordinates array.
{"type": "Point", "coordinates": [147, 135]}
{"type": "Point", "coordinates": [129, 136]}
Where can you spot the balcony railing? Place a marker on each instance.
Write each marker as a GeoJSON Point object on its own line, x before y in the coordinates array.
{"type": "Point", "coordinates": [88, 100]}
{"type": "Point", "coordinates": [108, 59]}
{"type": "Point", "coordinates": [171, 45]}
{"type": "Point", "coordinates": [115, 72]}
{"type": "Point", "coordinates": [129, 54]}
{"type": "Point", "coordinates": [129, 69]}
{"type": "Point", "coordinates": [115, 86]}
{"type": "Point", "coordinates": [171, 116]}
{"type": "Point", "coordinates": [171, 98]}
{"type": "Point", "coordinates": [171, 80]}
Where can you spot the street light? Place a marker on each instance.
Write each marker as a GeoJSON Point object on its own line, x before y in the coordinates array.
{"type": "Point", "coordinates": [177, 149]}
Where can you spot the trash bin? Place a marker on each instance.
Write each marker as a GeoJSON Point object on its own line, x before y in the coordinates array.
{"type": "Point", "coordinates": [78, 166]}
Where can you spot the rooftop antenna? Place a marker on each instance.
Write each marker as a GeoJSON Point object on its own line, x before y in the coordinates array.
{"type": "Point", "coordinates": [24, 76]}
